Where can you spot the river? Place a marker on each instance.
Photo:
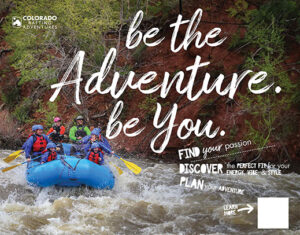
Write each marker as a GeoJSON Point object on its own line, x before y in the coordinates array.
{"type": "Point", "coordinates": [150, 203]}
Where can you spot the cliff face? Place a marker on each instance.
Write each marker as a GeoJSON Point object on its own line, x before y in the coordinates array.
{"type": "Point", "coordinates": [226, 113]}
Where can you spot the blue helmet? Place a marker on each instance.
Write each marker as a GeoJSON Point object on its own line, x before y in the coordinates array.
{"type": "Point", "coordinates": [95, 145]}
{"type": "Point", "coordinates": [51, 145]}
{"type": "Point", "coordinates": [96, 131]}
{"type": "Point", "coordinates": [37, 127]}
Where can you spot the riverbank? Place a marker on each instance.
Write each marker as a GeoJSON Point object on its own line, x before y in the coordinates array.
{"type": "Point", "coordinates": [242, 118]}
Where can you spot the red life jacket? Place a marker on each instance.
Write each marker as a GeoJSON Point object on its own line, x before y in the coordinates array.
{"type": "Point", "coordinates": [52, 156]}
{"type": "Point", "coordinates": [39, 143]}
{"type": "Point", "coordinates": [95, 157]}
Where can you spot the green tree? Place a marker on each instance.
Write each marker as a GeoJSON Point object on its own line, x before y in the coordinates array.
{"type": "Point", "coordinates": [265, 37]}
{"type": "Point", "coordinates": [81, 25]}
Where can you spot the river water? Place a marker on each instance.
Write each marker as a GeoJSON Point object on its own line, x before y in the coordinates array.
{"type": "Point", "coordinates": [150, 203]}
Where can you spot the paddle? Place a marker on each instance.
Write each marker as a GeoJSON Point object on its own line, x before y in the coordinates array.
{"type": "Point", "coordinates": [13, 156]}
{"type": "Point", "coordinates": [14, 166]}
{"type": "Point", "coordinates": [131, 166]}
{"type": "Point", "coordinates": [118, 168]}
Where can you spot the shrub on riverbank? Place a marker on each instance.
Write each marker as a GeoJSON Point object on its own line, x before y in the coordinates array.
{"type": "Point", "coordinates": [9, 132]}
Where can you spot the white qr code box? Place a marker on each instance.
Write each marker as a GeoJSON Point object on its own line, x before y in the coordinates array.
{"type": "Point", "coordinates": [273, 212]}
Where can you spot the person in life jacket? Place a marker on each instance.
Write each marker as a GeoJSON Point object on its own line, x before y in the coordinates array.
{"type": "Point", "coordinates": [96, 137]}
{"type": "Point", "coordinates": [57, 131]}
{"type": "Point", "coordinates": [60, 149]}
{"type": "Point", "coordinates": [79, 131]}
{"type": "Point", "coordinates": [76, 134]}
{"type": "Point", "coordinates": [36, 143]}
{"type": "Point", "coordinates": [50, 154]}
{"type": "Point", "coordinates": [95, 154]}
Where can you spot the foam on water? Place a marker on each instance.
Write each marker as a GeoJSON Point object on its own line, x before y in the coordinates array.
{"type": "Point", "coordinates": [152, 202]}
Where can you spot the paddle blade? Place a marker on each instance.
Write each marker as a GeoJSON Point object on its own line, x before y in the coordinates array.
{"type": "Point", "coordinates": [10, 168]}
{"type": "Point", "coordinates": [131, 166]}
{"type": "Point", "coordinates": [118, 168]}
{"type": "Point", "coordinates": [13, 156]}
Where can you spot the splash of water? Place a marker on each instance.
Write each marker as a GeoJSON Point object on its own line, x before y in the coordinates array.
{"type": "Point", "coordinates": [152, 202]}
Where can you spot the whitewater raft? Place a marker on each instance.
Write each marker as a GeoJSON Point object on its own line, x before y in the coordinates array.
{"type": "Point", "coordinates": [70, 171]}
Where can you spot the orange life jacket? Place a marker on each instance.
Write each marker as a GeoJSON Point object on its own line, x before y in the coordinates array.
{"type": "Point", "coordinates": [39, 143]}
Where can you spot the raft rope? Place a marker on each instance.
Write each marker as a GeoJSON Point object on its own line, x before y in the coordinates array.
{"type": "Point", "coordinates": [67, 164]}
{"type": "Point", "coordinates": [62, 158]}
{"type": "Point", "coordinates": [77, 164]}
